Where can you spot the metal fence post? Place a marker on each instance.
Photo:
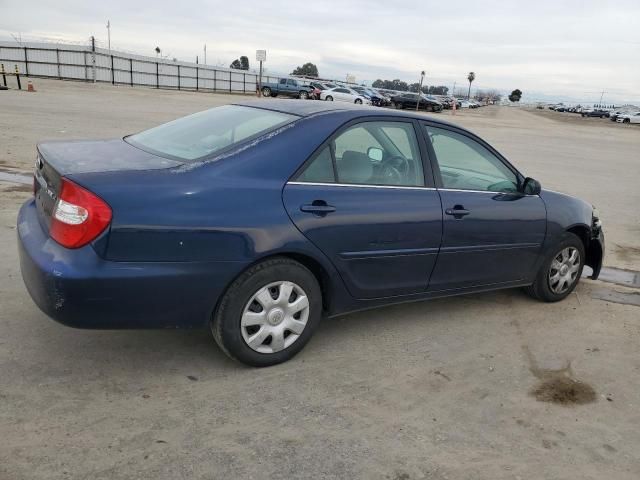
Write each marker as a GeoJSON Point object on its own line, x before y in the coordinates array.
{"type": "Point", "coordinates": [197, 79]}
{"type": "Point", "coordinates": [157, 76]}
{"type": "Point", "coordinates": [131, 70]}
{"type": "Point", "coordinates": [229, 82]}
{"type": "Point", "coordinates": [244, 83]}
{"type": "Point", "coordinates": [214, 80]}
{"type": "Point", "coordinates": [4, 76]}
{"type": "Point", "coordinates": [113, 73]}
{"type": "Point", "coordinates": [178, 77]}
{"type": "Point", "coordinates": [58, 63]}
{"type": "Point", "coordinates": [26, 62]}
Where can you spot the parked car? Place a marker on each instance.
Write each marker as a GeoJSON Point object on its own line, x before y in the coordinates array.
{"type": "Point", "coordinates": [386, 99]}
{"type": "Point", "coordinates": [409, 100]}
{"type": "Point", "coordinates": [256, 220]}
{"type": "Point", "coordinates": [289, 87]}
{"type": "Point", "coordinates": [613, 116]}
{"type": "Point", "coordinates": [595, 113]}
{"type": "Point", "coordinates": [344, 94]}
{"type": "Point", "coordinates": [467, 104]}
{"type": "Point", "coordinates": [375, 98]}
{"type": "Point", "coordinates": [629, 118]}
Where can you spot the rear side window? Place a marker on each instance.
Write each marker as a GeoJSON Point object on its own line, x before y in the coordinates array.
{"type": "Point", "coordinates": [320, 169]}
{"type": "Point", "coordinates": [369, 153]}
{"type": "Point", "coordinates": [209, 132]}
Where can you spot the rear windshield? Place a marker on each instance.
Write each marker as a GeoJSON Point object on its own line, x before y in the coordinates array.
{"type": "Point", "coordinates": [209, 132]}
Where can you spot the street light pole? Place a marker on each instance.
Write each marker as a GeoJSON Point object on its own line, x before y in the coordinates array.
{"type": "Point", "coordinates": [420, 90]}
{"type": "Point", "coordinates": [109, 35]}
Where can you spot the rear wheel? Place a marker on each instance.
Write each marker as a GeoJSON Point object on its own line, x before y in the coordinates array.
{"type": "Point", "coordinates": [329, 98]}
{"type": "Point", "coordinates": [303, 95]}
{"type": "Point", "coordinates": [266, 92]}
{"type": "Point", "coordinates": [358, 101]}
{"type": "Point", "coordinates": [398, 106]}
{"type": "Point", "coordinates": [269, 313]}
{"type": "Point", "coordinates": [561, 271]}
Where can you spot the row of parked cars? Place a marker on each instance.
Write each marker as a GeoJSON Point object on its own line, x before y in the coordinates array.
{"type": "Point", "coordinates": [331, 92]}
{"type": "Point", "coordinates": [615, 115]}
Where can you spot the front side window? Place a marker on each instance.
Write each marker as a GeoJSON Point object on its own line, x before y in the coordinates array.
{"type": "Point", "coordinates": [467, 165]}
{"type": "Point", "coordinates": [369, 153]}
{"type": "Point", "coordinates": [205, 133]}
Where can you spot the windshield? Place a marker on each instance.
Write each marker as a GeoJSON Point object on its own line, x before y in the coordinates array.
{"type": "Point", "coordinates": [209, 132]}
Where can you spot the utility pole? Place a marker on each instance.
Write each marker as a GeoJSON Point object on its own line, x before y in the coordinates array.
{"type": "Point", "coordinates": [453, 92]}
{"type": "Point", "coordinates": [109, 35]}
{"type": "Point", "coordinates": [93, 56]}
{"type": "Point", "coordinates": [205, 53]}
{"type": "Point", "coordinates": [420, 90]}
{"type": "Point", "coordinates": [602, 95]}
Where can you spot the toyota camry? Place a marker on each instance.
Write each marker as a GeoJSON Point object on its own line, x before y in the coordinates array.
{"type": "Point", "coordinates": [257, 220]}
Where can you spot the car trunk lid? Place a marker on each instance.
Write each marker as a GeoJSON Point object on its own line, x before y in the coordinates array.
{"type": "Point", "coordinates": [60, 159]}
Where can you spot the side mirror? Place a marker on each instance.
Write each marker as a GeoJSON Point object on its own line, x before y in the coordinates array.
{"type": "Point", "coordinates": [375, 154]}
{"type": "Point", "coordinates": [531, 186]}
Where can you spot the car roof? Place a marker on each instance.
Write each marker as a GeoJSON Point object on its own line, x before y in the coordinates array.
{"type": "Point", "coordinates": [309, 108]}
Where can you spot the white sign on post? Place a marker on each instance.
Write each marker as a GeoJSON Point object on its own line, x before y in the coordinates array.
{"type": "Point", "coordinates": [261, 55]}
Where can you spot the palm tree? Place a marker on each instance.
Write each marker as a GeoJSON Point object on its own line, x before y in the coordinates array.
{"type": "Point", "coordinates": [471, 77]}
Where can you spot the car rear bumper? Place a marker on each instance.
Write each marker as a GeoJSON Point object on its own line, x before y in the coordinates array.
{"type": "Point", "coordinates": [80, 289]}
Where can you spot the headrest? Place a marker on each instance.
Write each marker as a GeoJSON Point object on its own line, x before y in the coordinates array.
{"type": "Point", "coordinates": [355, 167]}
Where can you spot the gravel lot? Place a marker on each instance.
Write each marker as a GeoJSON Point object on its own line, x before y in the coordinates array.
{"type": "Point", "coordinates": [434, 390]}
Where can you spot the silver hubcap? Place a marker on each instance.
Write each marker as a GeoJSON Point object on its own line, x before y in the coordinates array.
{"type": "Point", "coordinates": [564, 270]}
{"type": "Point", "coordinates": [275, 317]}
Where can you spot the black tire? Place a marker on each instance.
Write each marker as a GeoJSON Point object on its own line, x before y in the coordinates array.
{"type": "Point", "coordinates": [225, 324]}
{"type": "Point", "coordinates": [358, 101]}
{"type": "Point", "coordinates": [398, 106]}
{"type": "Point", "coordinates": [329, 98]}
{"type": "Point", "coordinates": [266, 92]}
{"type": "Point", "coordinates": [626, 120]}
{"type": "Point", "coordinates": [303, 95]}
{"type": "Point", "coordinates": [540, 289]}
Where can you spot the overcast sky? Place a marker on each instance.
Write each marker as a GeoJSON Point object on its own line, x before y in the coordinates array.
{"type": "Point", "coordinates": [559, 48]}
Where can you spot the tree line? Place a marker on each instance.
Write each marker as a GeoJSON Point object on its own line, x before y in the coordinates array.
{"type": "Point", "coordinates": [401, 86]}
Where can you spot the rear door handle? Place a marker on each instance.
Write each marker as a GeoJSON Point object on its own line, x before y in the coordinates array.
{"type": "Point", "coordinates": [458, 211]}
{"type": "Point", "coordinates": [318, 207]}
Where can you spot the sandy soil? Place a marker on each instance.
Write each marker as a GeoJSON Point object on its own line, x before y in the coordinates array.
{"type": "Point", "coordinates": [446, 389]}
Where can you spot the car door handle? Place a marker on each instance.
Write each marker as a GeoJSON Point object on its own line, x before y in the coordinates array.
{"type": "Point", "coordinates": [458, 211]}
{"type": "Point", "coordinates": [318, 207]}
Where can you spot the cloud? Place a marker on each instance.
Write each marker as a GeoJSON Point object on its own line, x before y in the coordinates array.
{"type": "Point", "coordinates": [560, 48]}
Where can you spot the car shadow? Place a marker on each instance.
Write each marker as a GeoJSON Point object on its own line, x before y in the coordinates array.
{"type": "Point", "coordinates": [159, 351]}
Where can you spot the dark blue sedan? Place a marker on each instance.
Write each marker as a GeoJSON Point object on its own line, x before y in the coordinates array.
{"type": "Point", "coordinates": [259, 219]}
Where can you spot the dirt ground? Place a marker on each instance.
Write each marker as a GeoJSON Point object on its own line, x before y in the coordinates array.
{"type": "Point", "coordinates": [447, 389]}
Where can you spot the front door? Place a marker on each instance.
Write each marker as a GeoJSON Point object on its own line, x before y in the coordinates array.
{"type": "Point", "coordinates": [362, 199]}
{"type": "Point", "coordinates": [492, 233]}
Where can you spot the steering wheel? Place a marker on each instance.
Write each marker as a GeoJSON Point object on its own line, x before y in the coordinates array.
{"type": "Point", "coordinates": [395, 169]}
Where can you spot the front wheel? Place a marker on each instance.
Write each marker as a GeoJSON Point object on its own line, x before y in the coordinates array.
{"type": "Point", "coordinates": [269, 313]}
{"type": "Point", "coordinates": [266, 92]}
{"type": "Point", "coordinates": [329, 98]}
{"type": "Point", "coordinates": [560, 272]}
{"type": "Point", "coordinates": [358, 101]}
{"type": "Point", "coordinates": [303, 95]}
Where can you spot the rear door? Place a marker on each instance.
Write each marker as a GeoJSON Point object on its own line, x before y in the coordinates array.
{"type": "Point", "coordinates": [364, 199]}
{"type": "Point", "coordinates": [492, 233]}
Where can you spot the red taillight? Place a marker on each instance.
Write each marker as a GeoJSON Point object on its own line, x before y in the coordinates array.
{"type": "Point", "coordinates": [78, 217]}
